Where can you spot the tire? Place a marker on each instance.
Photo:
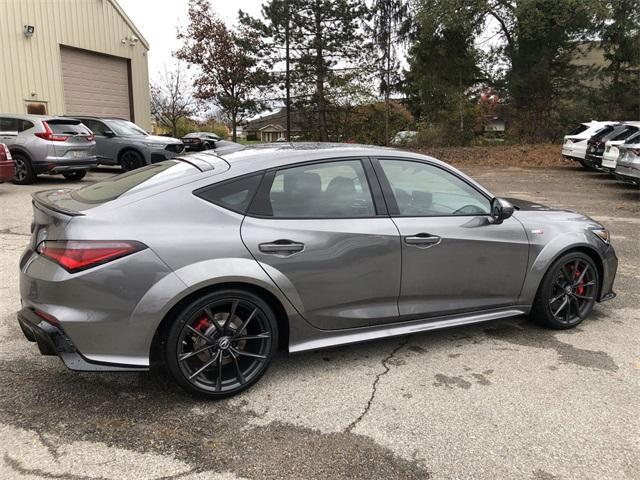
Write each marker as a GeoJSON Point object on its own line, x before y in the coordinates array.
{"type": "Point", "coordinates": [234, 360]}
{"type": "Point", "coordinates": [206, 146]}
{"type": "Point", "coordinates": [130, 160]}
{"type": "Point", "coordinates": [584, 164]}
{"type": "Point", "coordinates": [567, 293]}
{"type": "Point", "coordinates": [25, 174]}
{"type": "Point", "coordinates": [75, 175]}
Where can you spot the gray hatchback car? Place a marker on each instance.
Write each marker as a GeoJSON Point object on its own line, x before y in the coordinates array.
{"type": "Point", "coordinates": [208, 263]}
{"type": "Point", "coordinates": [121, 142]}
{"type": "Point", "coordinates": [44, 144]}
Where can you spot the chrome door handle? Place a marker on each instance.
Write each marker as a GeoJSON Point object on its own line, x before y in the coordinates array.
{"type": "Point", "coordinates": [422, 239]}
{"type": "Point", "coordinates": [282, 247]}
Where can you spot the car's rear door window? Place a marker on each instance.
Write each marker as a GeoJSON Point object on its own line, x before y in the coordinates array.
{"type": "Point", "coordinates": [8, 125]}
{"type": "Point", "coordinates": [335, 189]}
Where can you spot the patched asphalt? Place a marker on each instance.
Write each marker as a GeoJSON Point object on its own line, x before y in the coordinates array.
{"type": "Point", "coordinates": [506, 399]}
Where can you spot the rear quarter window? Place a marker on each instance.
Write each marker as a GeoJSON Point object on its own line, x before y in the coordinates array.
{"type": "Point", "coordinates": [134, 181]}
{"type": "Point", "coordinates": [576, 130]}
{"type": "Point", "coordinates": [235, 195]}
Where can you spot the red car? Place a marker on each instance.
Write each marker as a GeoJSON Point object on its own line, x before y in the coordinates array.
{"type": "Point", "coordinates": [7, 170]}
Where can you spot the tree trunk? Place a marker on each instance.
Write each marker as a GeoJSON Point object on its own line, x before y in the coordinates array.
{"type": "Point", "coordinates": [234, 126]}
{"type": "Point", "coordinates": [320, 74]}
{"type": "Point", "coordinates": [287, 75]}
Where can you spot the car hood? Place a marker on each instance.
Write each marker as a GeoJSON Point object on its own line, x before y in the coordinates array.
{"type": "Point", "coordinates": [528, 211]}
{"type": "Point", "coordinates": [154, 139]}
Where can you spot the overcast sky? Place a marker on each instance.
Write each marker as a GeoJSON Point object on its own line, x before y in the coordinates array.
{"type": "Point", "coordinates": [157, 20]}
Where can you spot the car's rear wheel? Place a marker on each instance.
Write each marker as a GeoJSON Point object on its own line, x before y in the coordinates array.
{"type": "Point", "coordinates": [206, 146]}
{"type": "Point", "coordinates": [568, 292]}
{"type": "Point", "coordinates": [75, 175]}
{"type": "Point", "coordinates": [221, 344]}
{"type": "Point", "coordinates": [24, 173]}
{"type": "Point", "coordinates": [130, 160]}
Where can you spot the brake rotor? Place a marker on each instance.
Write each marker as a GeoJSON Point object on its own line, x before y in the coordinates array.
{"type": "Point", "coordinates": [206, 326]}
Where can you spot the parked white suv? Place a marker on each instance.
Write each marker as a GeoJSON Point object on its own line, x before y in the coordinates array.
{"type": "Point", "coordinates": [575, 142]}
{"type": "Point", "coordinates": [45, 144]}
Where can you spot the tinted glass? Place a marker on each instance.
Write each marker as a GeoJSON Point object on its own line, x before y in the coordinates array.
{"type": "Point", "coordinates": [323, 190]}
{"type": "Point", "coordinates": [24, 125]}
{"type": "Point", "coordinates": [8, 124]}
{"type": "Point", "coordinates": [126, 128]}
{"type": "Point", "coordinates": [425, 190]}
{"type": "Point", "coordinates": [579, 129]}
{"type": "Point", "coordinates": [68, 128]}
{"type": "Point", "coordinates": [98, 128]}
{"type": "Point", "coordinates": [625, 134]}
{"type": "Point", "coordinates": [602, 132]}
{"type": "Point", "coordinates": [136, 180]}
{"type": "Point", "coordinates": [235, 195]}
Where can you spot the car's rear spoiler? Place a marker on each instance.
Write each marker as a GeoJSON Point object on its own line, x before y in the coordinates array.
{"type": "Point", "coordinates": [58, 201]}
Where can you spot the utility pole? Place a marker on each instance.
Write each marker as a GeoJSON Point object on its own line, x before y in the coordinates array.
{"type": "Point", "coordinates": [388, 75]}
{"type": "Point", "coordinates": [287, 81]}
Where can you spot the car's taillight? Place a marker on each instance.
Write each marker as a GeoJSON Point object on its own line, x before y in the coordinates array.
{"type": "Point", "coordinates": [635, 151]}
{"type": "Point", "coordinates": [77, 255]}
{"type": "Point", "coordinates": [91, 138]}
{"type": "Point", "coordinates": [5, 154]}
{"type": "Point", "coordinates": [49, 135]}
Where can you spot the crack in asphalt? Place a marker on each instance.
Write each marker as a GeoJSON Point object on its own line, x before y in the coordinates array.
{"type": "Point", "coordinates": [374, 387]}
{"type": "Point", "coordinates": [7, 231]}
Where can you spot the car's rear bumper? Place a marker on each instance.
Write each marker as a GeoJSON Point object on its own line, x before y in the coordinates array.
{"type": "Point", "coordinates": [7, 171]}
{"type": "Point", "coordinates": [62, 166]}
{"type": "Point", "coordinates": [593, 160]}
{"type": "Point", "coordinates": [52, 340]}
{"type": "Point", "coordinates": [627, 174]}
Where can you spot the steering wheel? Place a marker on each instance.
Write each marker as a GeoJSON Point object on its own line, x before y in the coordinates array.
{"type": "Point", "coordinates": [469, 210]}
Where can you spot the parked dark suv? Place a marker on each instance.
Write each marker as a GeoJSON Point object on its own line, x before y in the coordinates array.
{"type": "Point", "coordinates": [596, 144]}
{"type": "Point", "coordinates": [46, 144]}
{"type": "Point", "coordinates": [121, 142]}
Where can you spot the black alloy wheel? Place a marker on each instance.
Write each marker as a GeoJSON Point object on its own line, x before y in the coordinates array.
{"type": "Point", "coordinates": [130, 160]}
{"type": "Point", "coordinates": [24, 174]}
{"type": "Point", "coordinates": [568, 292]}
{"type": "Point", "coordinates": [222, 344]}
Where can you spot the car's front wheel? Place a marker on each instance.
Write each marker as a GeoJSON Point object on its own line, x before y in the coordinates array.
{"type": "Point", "coordinates": [221, 344]}
{"type": "Point", "coordinates": [75, 175]}
{"type": "Point", "coordinates": [568, 292]}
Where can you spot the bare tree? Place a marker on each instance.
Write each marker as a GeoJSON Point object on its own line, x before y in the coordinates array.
{"type": "Point", "coordinates": [171, 100]}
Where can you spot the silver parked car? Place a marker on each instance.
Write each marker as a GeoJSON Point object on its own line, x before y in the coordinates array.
{"type": "Point", "coordinates": [44, 144]}
{"type": "Point", "coordinates": [628, 165]}
{"type": "Point", "coordinates": [209, 263]}
{"type": "Point", "coordinates": [121, 142]}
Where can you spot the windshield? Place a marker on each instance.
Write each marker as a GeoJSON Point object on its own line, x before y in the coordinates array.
{"type": "Point", "coordinates": [125, 128]}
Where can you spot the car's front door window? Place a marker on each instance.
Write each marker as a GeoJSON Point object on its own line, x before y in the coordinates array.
{"type": "Point", "coordinates": [423, 190]}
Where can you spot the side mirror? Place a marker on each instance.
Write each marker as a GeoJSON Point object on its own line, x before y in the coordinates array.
{"type": "Point", "coordinates": [500, 210]}
{"type": "Point", "coordinates": [109, 133]}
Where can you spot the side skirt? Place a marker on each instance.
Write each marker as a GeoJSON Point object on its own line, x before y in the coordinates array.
{"type": "Point", "coordinates": [304, 339]}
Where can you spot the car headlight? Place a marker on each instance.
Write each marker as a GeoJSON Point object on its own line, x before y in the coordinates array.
{"type": "Point", "coordinates": [154, 145]}
{"type": "Point", "coordinates": [602, 234]}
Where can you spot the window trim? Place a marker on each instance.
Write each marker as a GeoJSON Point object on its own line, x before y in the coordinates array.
{"type": "Point", "coordinates": [260, 206]}
{"type": "Point", "coordinates": [199, 191]}
{"type": "Point", "coordinates": [394, 210]}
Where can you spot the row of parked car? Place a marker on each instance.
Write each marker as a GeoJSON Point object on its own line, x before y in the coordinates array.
{"type": "Point", "coordinates": [37, 144]}
{"type": "Point", "coordinates": [609, 146]}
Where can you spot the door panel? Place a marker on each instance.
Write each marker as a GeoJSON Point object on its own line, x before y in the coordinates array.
{"type": "Point", "coordinates": [474, 265]}
{"type": "Point", "coordinates": [339, 273]}
{"type": "Point", "coordinates": [454, 257]}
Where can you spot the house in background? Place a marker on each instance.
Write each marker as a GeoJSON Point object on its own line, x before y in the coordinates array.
{"type": "Point", "coordinates": [73, 57]}
{"type": "Point", "coordinates": [272, 127]}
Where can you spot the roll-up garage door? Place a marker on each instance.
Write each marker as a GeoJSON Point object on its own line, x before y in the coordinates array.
{"type": "Point", "coordinates": [95, 84]}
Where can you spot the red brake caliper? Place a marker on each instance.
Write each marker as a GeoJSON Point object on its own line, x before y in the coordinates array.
{"type": "Point", "coordinates": [203, 324]}
{"type": "Point", "coordinates": [580, 289]}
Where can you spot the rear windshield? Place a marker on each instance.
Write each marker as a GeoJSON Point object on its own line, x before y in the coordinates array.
{"type": "Point", "coordinates": [602, 132]}
{"type": "Point", "coordinates": [134, 181]}
{"type": "Point", "coordinates": [625, 134]}
{"type": "Point", "coordinates": [579, 129]}
{"type": "Point", "coordinates": [68, 128]}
